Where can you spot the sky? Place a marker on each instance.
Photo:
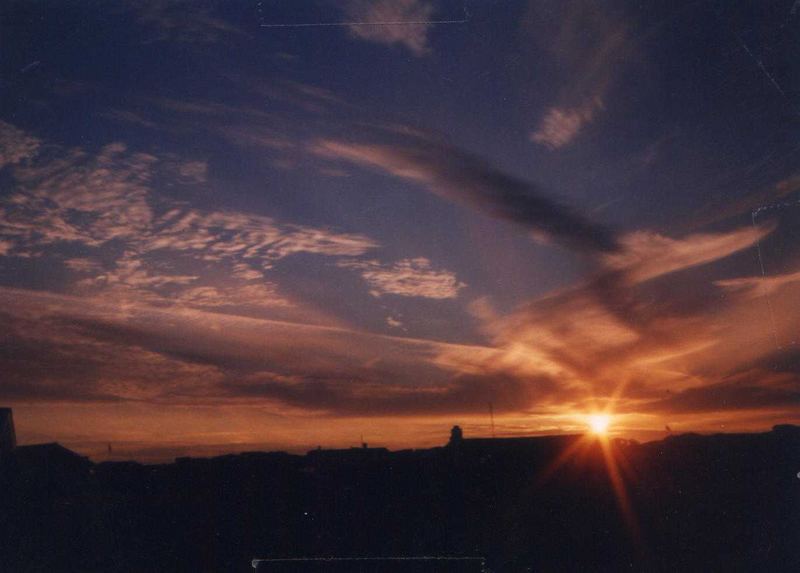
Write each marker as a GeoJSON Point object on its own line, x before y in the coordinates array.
{"type": "Point", "coordinates": [228, 226]}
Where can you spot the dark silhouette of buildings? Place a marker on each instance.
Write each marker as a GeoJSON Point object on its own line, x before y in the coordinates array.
{"type": "Point", "coordinates": [8, 437]}
{"type": "Point", "coordinates": [692, 502]}
{"type": "Point", "coordinates": [52, 458]}
{"type": "Point", "coordinates": [347, 456]}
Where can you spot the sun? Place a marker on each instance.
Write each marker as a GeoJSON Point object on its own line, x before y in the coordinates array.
{"type": "Point", "coordinates": [599, 423]}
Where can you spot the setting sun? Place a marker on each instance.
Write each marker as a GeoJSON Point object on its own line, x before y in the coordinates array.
{"type": "Point", "coordinates": [599, 423]}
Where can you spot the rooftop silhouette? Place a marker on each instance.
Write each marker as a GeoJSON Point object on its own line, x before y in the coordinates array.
{"type": "Point", "coordinates": [515, 504]}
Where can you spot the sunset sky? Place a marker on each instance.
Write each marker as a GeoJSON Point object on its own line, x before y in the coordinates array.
{"type": "Point", "coordinates": [229, 226]}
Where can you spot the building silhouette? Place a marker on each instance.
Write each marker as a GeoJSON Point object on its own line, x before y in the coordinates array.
{"type": "Point", "coordinates": [8, 437]}
{"type": "Point", "coordinates": [456, 436]}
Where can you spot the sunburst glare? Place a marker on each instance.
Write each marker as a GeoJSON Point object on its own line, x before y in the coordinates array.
{"type": "Point", "coordinates": [599, 423]}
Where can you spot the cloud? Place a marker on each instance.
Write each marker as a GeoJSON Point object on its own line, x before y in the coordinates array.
{"type": "Point", "coordinates": [47, 359]}
{"type": "Point", "coordinates": [16, 145]}
{"type": "Point", "coordinates": [193, 171]}
{"type": "Point", "coordinates": [646, 255]}
{"type": "Point", "coordinates": [130, 271]}
{"type": "Point", "coordinates": [456, 175]}
{"type": "Point", "coordinates": [759, 286]}
{"type": "Point", "coordinates": [753, 203]}
{"type": "Point", "coordinates": [87, 351]}
{"type": "Point", "coordinates": [218, 236]}
{"type": "Point", "coordinates": [246, 272]}
{"type": "Point", "coordinates": [260, 295]}
{"type": "Point", "coordinates": [347, 397]}
{"type": "Point", "coordinates": [83, 265]}
{"type": "Point", "coordinates": [253, 136]}
{"type": "Point", "coordinates": [751, 390]}
{"type": "Point", "coordinates": [127, 116]}
{"type": "Point", "coordinates": [153, 249]}
{"type": "Point", "coordinates": [182, 21]}
{"type": "Point", "coordinates": [560, 126]}
{"type": "Point", "coordinates": [407, 277]}
{"type": "Point", "coordinates": [620, 338]}
{"type": "Point", "coordinates": [81, 198]}
{"type": "Point", "coordinates": [589, 44]}
{"type": "Point", "coordinates": [390, 22]}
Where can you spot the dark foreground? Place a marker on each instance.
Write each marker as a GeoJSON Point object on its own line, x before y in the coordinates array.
{"type": "Point", "coordinates": [694, 503]}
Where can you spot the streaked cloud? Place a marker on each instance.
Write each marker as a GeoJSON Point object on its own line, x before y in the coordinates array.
{"type": "Point", "coordinates": [129, 117]}
{"type": "Point", "coordinates": [211, 358]}
{"type": "Point", "coordinates": [456, 175]}
{"type": "Point", "coordinates": [182, 21]}
{"type": "Point", "coordinates": [646, 255]}
{"type": "Point", "coordinates": [259, 295]}
{"type": "Point", "coordinates": [407, 277]}
{"type": "Point", "coordinates": [759, 286]}
{"type": "Point", "coordinates": [766, 198]}
{"type": "Point", "coordinates": [754, 390]}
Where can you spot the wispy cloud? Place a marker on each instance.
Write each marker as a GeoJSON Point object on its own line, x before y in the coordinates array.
{"type": "Point", "coordinates": [590, 44]}
{"type": "Point", "coordinates": [726, 207]}
{"type": "Point", "coordinates": [759, 286]}
{"type": "Point", "coordinates": [182, 21]}
{"type": "Point", "coordinates": [755, 389]}
{"type": "Point", "coordinates": [390, 22]}
{"type": "Point", "coordinates": [128, 116]}
{"type": "Point", "coordinates": [83, 265]}
{"type": "Point", "coordinates": [646, 255]}
{"type": "Point", "coordinates": [408, 277]}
